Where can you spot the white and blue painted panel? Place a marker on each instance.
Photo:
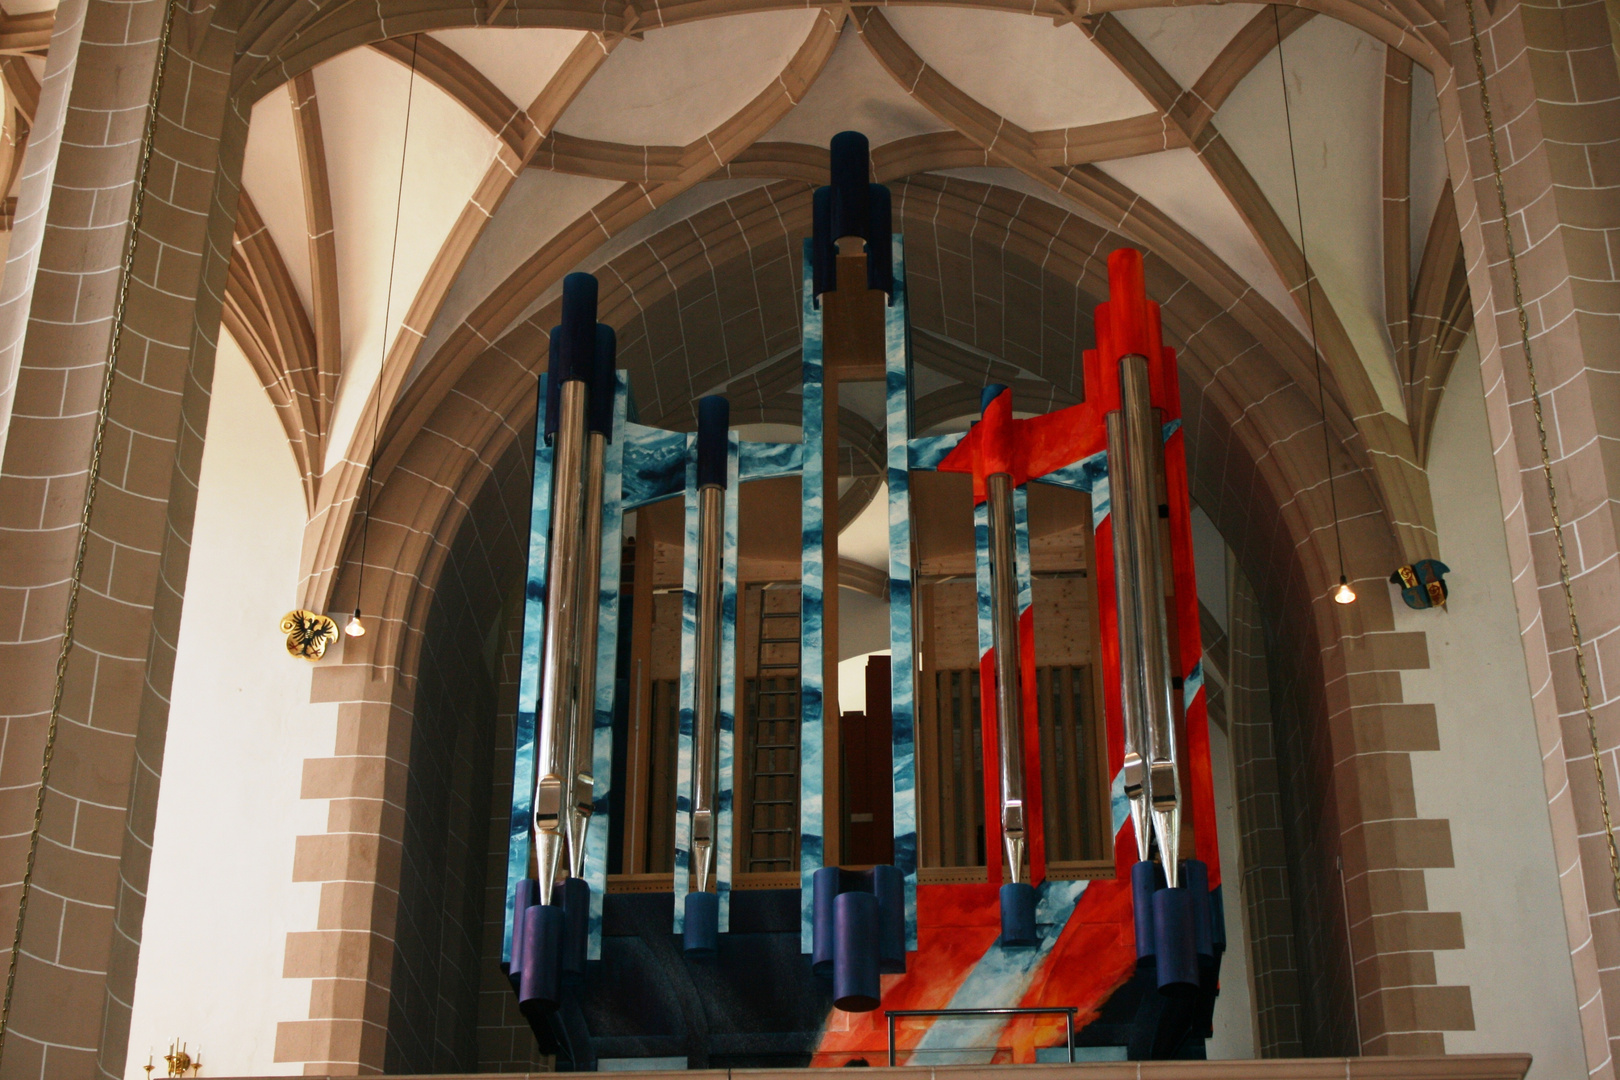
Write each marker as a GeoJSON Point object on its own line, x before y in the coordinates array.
{"type": "Point", "coordinates": [726, 719]}
{"type": "Point", "coordinates": [897, 396]}
{"type": "Point", "coordinates": [812, 651]}
{"type": "Point", "coordinates": [534, 624]}
{"type": "Point", "coordinates": [688, 690]}
{"type": "Point", "coordinates": [607, 662]}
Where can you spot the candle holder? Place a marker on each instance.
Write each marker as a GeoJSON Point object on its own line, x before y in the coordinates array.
{"type": "Point", "coordinates": [179, 1060]}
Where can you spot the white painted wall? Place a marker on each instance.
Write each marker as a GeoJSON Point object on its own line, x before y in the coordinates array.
{"type": "Point", "coordinates": [1234, 1021]}
{"type": "Point", "coordinates": [1486, 776]}
{"type": "Point", "coordinates": [221, 896]}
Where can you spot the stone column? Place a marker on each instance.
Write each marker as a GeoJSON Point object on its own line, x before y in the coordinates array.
{"type": "Point", "coordinates": [75, 970]}
{"type": "Point", "coordinates": [1550, 69]}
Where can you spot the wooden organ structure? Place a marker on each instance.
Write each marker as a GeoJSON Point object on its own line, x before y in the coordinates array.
{"type": "Point", "coordinates": [710, 863]}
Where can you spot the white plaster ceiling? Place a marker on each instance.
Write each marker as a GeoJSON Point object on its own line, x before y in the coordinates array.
{"type": "Point", "coordinates": [1014, 180]}
{"type": "Point", "coordinates": [1036, 75]}
{"type": "Point", "coordinates": [519, 62]}
{"type": "Point", "coordinates": [1429, 171]}
{"type": "Point", "coordinates": [697, 197]}
{"type": "Point", "coordinates": [669, 90]}
{"type": "Point", "coordinates": [1335, 93]}
{"type": "Point", "coordinates": [682, 82]}
{"type": "Point", "coordinates": [538, 207]}
{"type": "Point", "coordinates": [363, 97]}
{"type": "Point", "coordinates": [271, 145]}
{"type": "Point", "coordinates": [1177, 183]}
{"type": "Point", "coordinates": [1185, 40]}
{"type": "Point", "coordinates": [854, 92]}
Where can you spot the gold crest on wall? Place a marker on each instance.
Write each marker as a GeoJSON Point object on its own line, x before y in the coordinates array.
{"type": "Point", "coordinates": [308, 634]}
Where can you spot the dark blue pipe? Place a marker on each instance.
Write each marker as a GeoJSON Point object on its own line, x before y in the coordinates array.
{"type": "Point", "coordinates": [1144, 883]}
{"type": "Point", "coordinates": [523, 896]}
{"type": "Point", "coordinates": [573, 895]}
{"type": "Point", "coordinates": [823, 251]}
{"type": "Point", "coordinates": [889, 886]}
{"type": "Point", "coordinates": [1018, 916]}
{"type": "Point", "coordinates": [700, 932]}
{"type": "Point", "coordinates": [542, 944]}
{"type": "Point", "coordinates": [604, 380]}
{"type": "Point", "coordinates": [856, 987]}
{"type": "Point", "coordinates": [1175, 950]}
{"type": "Point", "coordinates": [879, 241]}
{"type": "Point", "coordinates": [714, 421]}
{"type": "Point", "coordinates": [1217, 917]}
{"type": "Point", "coordinates": [553, 388]}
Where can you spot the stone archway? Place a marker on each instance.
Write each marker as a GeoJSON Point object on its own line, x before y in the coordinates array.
{"type": "Point", "coordinates": [71, 1018]}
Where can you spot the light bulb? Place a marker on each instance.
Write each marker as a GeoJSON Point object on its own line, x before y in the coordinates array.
{"type": "Point", "coordinates": [1344, 594]}
{"type": "Point", "coordinates": [356, 628]}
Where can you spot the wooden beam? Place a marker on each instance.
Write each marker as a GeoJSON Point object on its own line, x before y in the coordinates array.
{"type": "Point", "coordinates": [1241, 55]}
{"type": "Point", "coordinates": [263, 313]}
{"type": "Point", "coordinates": [21, 85]}
{"type": "Point", "coordinates": [30, 34]}
{"type": "Point", "coordinates": [323, 268]}
{"type": "Point", "coordinates": [445, 68]}
{"type": "Point", "coordinates": [497, 311]}
{"type": "Point", "coordinates": [1392, 453]}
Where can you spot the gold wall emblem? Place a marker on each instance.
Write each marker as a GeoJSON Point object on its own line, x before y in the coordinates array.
{"type": "Point", "coordinates": [308, 634]}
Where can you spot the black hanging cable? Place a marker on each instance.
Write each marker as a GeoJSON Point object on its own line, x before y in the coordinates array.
{"type": "Point", "coordinates": [355, 628]}
{"type": "Point", "coordinates": [1310, 300]}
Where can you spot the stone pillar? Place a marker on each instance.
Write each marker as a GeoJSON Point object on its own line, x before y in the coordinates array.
{"type": "Point", "coordinates": [1550, 69]}
{"type": "Point", "coordinates": [76, 966]}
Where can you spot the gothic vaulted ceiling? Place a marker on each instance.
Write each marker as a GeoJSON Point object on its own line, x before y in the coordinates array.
{"type": "Point", "coordinates": [529, 153]}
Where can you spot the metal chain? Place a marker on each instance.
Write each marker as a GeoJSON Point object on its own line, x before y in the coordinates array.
{"type": "Point", "coordinates": [92, 482]}
{"type": "Point", "coordinates": [1546, 458]}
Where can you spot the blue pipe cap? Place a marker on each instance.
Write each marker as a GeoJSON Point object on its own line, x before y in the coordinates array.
{"type": "Point", "coordinates": [1144, 883]}
{"type": "Point", "coordinates": [604, 381]}
{"type": "Point", "coordinates": [856, 986]}
{"type": "Point", "coordinates": [851, 182]}
{"type": "Point", "coordinates": [578, 328]}
{"type": "Point", "coordinates": [1018, 916]}
{"type": "Point", "coordinates": [700, 934]}
{"type": "Point", "coordinates": [573, 895]}
{"type": "Point", "coordinates": [542, 947]}
{"type": "Point", "coordinates": [1174, 949]}
{"type": "Point", "coordinates": [714, 423]}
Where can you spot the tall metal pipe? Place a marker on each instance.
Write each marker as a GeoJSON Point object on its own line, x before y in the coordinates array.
{"type": "Point", "coordinates": [1127, 602]}
{"type": "Point", "coordinates": [713, 421]}
{"type": "Point", "coordinates": [582, 747]}
{"type": "Point", "coordinates": [573, 349]}
{"type": "Point", "coordinates": [706, 700]}
{"type": "Point", "coordinates": [582, 754]}
{"type": "Point", "coordinates": [1009, 700]}
{"type": "Point", "coordinates": [559, 659]}
{"type": "Point", "coordinates": [1144, 441]}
